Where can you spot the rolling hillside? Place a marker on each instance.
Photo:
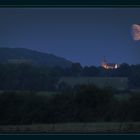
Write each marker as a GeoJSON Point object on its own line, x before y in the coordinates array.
{"type": "Point", "coordinates": [35, 57]}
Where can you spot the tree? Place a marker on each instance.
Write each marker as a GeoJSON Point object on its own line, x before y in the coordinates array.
{"type": "Point", "coordinates": [90, 71]}
{"type": "Point", "coordinates": [75, 69]}
{"type": "Point", "coordinates": [134, 108]}
{"type": "Point", "coordinates": [93, 104]}
{"type": "Point", "coordinates": [124, 70]}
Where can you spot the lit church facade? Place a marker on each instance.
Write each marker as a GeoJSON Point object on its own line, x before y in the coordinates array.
{"type": "Point", "coordinates": [109, 65]}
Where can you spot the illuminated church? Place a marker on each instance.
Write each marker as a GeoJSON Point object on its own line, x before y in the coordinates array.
{"type": "Point", "coordinates": [109, 65]}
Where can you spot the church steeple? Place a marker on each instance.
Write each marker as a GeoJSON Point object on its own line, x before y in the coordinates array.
{"type": "Point", "coordinates": [104, 63]}
{"type": "Point", "coordinates": [104, 60]}
{"type": "Point", "coordinates": [109, 65]}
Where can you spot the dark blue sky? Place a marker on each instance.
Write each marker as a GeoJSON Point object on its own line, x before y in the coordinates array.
{"type": "Point", "coordinates": [82, 35]}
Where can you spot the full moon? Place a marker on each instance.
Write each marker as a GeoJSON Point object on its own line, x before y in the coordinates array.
{"type": "Point", "coordinates": [136, 32]}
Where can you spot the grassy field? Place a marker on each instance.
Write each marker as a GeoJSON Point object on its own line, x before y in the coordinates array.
{"type": "Point", "coordinates": [112, 127]}
{"type": "Point", "coordinates": [101, 82]}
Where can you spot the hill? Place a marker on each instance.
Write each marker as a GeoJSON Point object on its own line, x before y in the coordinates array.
{"type": "Point", "coordinates": [35, 57]}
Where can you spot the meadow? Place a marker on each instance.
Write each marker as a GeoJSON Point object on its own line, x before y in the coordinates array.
{"type": "Point", "coordinates": [84, 110]}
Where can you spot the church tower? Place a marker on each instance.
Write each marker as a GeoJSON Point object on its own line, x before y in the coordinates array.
{"type": "Point", "coordinates": [104, 63]}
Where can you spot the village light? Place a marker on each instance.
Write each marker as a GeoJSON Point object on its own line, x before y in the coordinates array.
{"type": "Point", "coordinates": [109, 65]}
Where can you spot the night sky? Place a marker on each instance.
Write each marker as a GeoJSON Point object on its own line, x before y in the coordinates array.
{"type": "Point", "coordinates": [82, 35]}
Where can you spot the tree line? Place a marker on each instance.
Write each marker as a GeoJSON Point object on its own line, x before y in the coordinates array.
{"type": "Point", "coordinates": [36, 78]}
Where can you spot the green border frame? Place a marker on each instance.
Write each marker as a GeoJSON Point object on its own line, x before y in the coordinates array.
{"type": "Point", "coordinates": [67, 4]}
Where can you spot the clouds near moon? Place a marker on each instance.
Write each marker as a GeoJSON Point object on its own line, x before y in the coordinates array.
{"type": "Point", "coordinates": [136, 32]}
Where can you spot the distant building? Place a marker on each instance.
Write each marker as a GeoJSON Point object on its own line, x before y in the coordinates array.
{"type": "Point", "coordinates": [19, 61]}
{"type": "Point", "coordinates": [109, 65]}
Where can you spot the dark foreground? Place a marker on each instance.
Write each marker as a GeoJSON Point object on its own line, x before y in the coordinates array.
{"type": "Point", "coordinates": [73, 128]}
